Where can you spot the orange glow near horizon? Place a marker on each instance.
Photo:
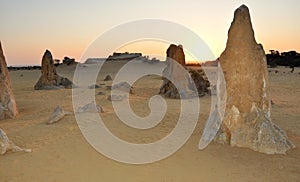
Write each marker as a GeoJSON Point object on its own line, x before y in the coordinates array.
{"type": "Point", "coordinates": [152, 49]}
{"type": "Point", "coordinates": [30, 27]}
{"type": "Point", "coordinates": [32, 54]}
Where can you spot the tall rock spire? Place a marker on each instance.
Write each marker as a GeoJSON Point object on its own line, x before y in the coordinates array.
{"type": "Point", "coordinates": [247, 121]}
{"type": "Point", "coordinates": [8, 106]}
{"type": "Point", "coordinates": [49, 78]}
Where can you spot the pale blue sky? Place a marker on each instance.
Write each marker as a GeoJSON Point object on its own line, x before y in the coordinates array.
{"type": "Point", "coordinates": [68, 27]}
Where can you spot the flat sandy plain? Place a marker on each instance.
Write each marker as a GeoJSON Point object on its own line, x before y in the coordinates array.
{"type": "Point", "coordinates": [61, 153]}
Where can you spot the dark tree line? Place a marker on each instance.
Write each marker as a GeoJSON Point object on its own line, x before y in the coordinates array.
{"type": "Point", "coordinates": [291, 59]}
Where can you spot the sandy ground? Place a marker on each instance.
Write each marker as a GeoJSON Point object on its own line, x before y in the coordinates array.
{"type": "Point", "coordinates": [61, 153]}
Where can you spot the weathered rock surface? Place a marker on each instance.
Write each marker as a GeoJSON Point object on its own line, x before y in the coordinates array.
{"type": "Point", "coordinates": [7, 145]}
{"type": "Point", "coordinates": [247, 121]}
{"type": "Point", "coordinates": [176, 81]}
{"type": "Point", "coordinates": [8, 106]}
{"type": "Point", "coordinates": [49, 78]}
{"type": "Point", "coordinates": [90, 107]}
{"type": "Point", "coordinates": [57, 115]}
{"type": "Point", "coordinates": [201, 82]}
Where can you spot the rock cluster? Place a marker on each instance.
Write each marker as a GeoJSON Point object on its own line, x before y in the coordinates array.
{"type": "Point", "coordinates": [8, 106]}
{"type": "Point", "coordinates": [177, 82]}
{"type": "Point", "coordinates": [49, 78]}
{"type": "Point", "coordinates": [174, 71]}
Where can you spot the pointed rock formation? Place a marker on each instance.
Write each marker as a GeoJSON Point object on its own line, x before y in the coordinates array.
{"type": "Point", "coordinates": [8, 106]}
{"type": "Point", "coordinates": [49, 78]}
{"type": "Point", "coordinates": [247, 121]}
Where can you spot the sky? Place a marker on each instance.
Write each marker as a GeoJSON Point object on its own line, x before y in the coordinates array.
{"type": "Point", "coordinates": [68, 27]}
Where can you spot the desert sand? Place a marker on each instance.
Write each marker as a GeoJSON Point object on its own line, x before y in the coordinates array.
{"type": "Point", "coordinates": [61, 153]}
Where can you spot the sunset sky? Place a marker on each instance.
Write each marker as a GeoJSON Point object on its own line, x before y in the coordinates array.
{"type": "Point", "coordinates": [68, 27]}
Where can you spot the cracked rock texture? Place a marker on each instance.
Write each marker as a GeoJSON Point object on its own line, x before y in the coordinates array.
{"type": "Point", "coordinates": [247, 122]}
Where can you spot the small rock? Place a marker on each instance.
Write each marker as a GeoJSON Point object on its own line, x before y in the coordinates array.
{"type": "Point", "coordinates": [107, 78]}
{"type": "Point", "coordinates": [52, 88]}
{"type": "Point", "coordinates": [91, 107]}
{"type": "Point", "coordinates": [212, 90]}
{"type": "Point", "coordinates": [123, 86]}
{"type": "Point", "coordinates": [57, 115]}
{"type": "Point", "coordinates": [115, 97]}
{"type": "Point", "coordinates": [272, 102]}
{"type": "Point", "coordinates": [94, 86]}
{"type": "Point", "coordinates": [101, 93]}
{"type": "Point", "coordinates": [7, 145]}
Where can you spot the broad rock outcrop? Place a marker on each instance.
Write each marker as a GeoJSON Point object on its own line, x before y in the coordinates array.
{"type": "Point", "coordinates": [50, 79]}
{"type": "Point", "coordinates": [247, 121]}
{"type": "Point", "coordinates": [8, 106]}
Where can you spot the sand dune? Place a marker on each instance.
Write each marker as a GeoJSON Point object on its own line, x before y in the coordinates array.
{"type": "Point", "coordinates": [61, 153]}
